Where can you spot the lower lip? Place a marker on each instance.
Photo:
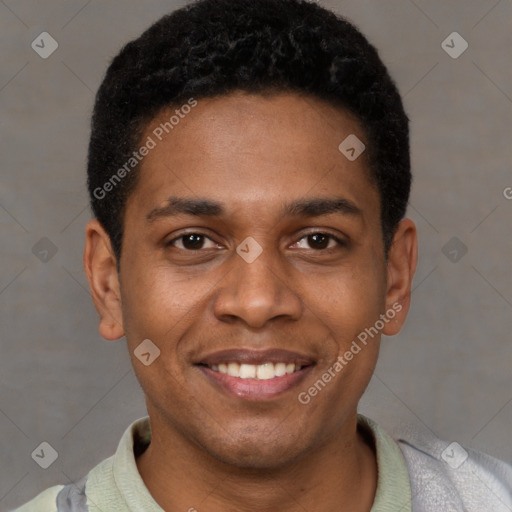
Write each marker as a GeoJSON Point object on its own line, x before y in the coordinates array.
{"type": "Point", "coordinates": [254, 389]}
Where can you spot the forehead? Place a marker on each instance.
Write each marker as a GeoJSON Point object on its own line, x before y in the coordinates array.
{"type": "Point", "coordinates": [252, 152]}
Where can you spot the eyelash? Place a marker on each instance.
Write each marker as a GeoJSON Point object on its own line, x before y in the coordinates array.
{"type": "Point", "coordinates": [341, 243]}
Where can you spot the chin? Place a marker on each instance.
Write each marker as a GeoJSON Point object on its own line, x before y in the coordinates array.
{"type": "Point", "coordinates": [258, 451]}
{"type": "Point", "coordinates": [248, 457]}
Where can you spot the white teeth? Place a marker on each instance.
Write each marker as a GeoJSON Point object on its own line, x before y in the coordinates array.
{"type": "Point", "coordinates": [233, 370]}
{"type": "Point", "coordinates": [247, 371]}
{"type": "Point", "coordinates": [266, 371]}
{"type": "Point", "coordinates": [251, 371]}
{"type": "Point", "coordinates": [280, 369]}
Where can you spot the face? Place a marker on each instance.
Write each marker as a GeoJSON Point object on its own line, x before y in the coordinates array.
{"type": "Point", "coordinates": [253, 245]}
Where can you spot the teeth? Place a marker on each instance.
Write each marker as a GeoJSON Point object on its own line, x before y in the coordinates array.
{"type": "Point", "coordinates": [266, 371]}
{"type": "Point", "coordinates": [233, 370]}
{"type": "Point", "coordinates": [251, 371]}
{"type": "Point", "coordinates": [280, 369]}
{"type": "Point", "coordinates": [247, 371]}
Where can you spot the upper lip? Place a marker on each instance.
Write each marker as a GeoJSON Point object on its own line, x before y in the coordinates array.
{"type": "Point", "coordinates": [256, 357]}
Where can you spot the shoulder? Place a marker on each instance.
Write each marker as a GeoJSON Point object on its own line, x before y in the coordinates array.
{"type": "Point", "coordinates": [99, 485]}
{"type": "Point", "coordinates": [59, 498]}
{"type": "Point", "coordinates": [46, 501]}
{"type": "Point", "coordinates": [450, 477]}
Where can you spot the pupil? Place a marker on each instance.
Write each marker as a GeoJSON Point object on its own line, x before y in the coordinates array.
{"type": "Point", "coordinates": [323, 240]}
{"type": "Point", "coordinates": [192, 241]}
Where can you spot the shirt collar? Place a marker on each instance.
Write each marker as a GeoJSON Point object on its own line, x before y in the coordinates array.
{"type": "Point", "coordinates": [116, 482]}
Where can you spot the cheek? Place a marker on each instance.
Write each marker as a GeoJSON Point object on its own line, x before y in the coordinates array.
{"type": "Point", "coordinates": [162, 306]}
{"type": "Point", "coordinates": [156, 300]}
{"type": "Point", "coordinates": [157, 309]}
{"type": "Point", "coordinates": [350, 301]}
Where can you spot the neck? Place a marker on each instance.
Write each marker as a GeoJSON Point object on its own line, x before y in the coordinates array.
{"type": "Point", "coordinates": [322, 480]}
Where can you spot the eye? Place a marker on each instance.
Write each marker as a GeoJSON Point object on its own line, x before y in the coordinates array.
{"type": "Point", "coordinates": [196, 241]}
{"type": "Point", "coordinates": [191, 242]}
{"type": "Point", "coordinates": [321, 241]}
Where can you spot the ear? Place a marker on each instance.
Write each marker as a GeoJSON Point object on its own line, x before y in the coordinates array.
{"type": "Point", "coordinates": [402, 259]}
{"type": "Point", "coordinates": [100, 267]}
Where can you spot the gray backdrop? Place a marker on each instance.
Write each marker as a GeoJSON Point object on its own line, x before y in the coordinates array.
{"type": "Point", "coordinates": [449, 370]}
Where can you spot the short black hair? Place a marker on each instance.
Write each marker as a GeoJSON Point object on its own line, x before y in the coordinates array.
{"type": "Point", "coordinates": [214, 47]}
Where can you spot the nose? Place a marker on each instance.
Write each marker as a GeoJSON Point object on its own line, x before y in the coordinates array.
{"type": "Point", "coordinates": [256, 293]}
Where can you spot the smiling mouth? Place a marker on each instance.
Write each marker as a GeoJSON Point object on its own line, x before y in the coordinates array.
{"type": "Point", "coordinates": [263, 371]}
{"type": "Point", "coordinates": [255, 375]}
{"type": "Point", "coordinates": [252, 382]}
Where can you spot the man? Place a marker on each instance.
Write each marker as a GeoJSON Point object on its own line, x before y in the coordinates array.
{"type": "Point", "coordinates": [249, 175]}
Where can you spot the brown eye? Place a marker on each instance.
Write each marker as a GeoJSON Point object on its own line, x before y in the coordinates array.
{"type": "Point", "coordinates": [190, 241]}
{"type": "Point", "coordinates": [320, 241]}
{"type": "Point", "coordinates": [193, 241]}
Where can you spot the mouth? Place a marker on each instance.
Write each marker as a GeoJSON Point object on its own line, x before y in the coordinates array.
{"type": "Point", "coordinates": [255, 375]}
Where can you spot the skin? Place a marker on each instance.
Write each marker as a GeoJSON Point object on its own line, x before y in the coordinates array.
{"type": "Point", "coordinates": [253, 154]}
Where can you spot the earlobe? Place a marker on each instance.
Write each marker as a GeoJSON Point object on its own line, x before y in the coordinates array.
{"type": "Point", "coordinates": [402, 259]}
{"type": "Point", "coordinates": [100, 267]}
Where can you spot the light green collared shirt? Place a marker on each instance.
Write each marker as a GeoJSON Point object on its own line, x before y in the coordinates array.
{"type": "Point", "coordinates": [115, 484]}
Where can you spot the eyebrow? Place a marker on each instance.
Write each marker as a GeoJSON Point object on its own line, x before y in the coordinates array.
{"type": "Point", "coordinates": [313, 207]}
